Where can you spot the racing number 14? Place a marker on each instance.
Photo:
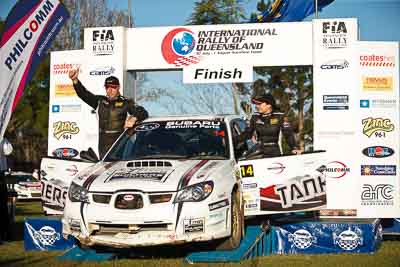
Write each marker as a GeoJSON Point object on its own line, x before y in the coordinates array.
{"type": "Point", "coordinates": [247, 171]}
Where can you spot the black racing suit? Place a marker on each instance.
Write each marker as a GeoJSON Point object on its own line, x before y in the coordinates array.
{"type": "Point", "coordinates": [267, 128]}
{"type": "Point", "coordinates": [112, 115]}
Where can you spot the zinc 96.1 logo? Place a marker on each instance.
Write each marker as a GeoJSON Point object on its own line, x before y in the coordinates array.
{"type": "Point", "coordinates": [177, 47]}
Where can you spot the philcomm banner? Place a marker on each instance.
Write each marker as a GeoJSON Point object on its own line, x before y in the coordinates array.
{"type": "Point", "coordinates": [30, 28]}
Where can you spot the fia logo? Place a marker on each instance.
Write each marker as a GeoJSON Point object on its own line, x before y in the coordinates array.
{"type": "Point", "coordinates": [334, 27]}
{"type": "Point", "coordinates": [103, 35]}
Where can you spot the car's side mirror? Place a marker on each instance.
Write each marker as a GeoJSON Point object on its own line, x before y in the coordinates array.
{"type": "Point", "coordinates": [89, 155]}
{"type": "Point", "coordinates": [7, 148]}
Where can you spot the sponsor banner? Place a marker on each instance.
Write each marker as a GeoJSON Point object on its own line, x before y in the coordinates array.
{"type": "Point", "coordinates": [45, 235]}
{"type": "Point", "coordinates": [245, 44]}
{"type": "Point", "coordinates": [378, 135]}
{"type": "Point", "coordinates": [315, 237]}
{"type": "Point", "coordinates": [218, 74]}
{"type": "Point", "coordinates": [335, 106]}
{"type": "Point", "coordinates": [284, 184]}
{"type": "Point", "coordinates": [29, 31]}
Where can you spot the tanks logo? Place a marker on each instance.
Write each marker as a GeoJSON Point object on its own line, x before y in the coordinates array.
{"type": "Point", "coordinates": [299, 193]}
{"type": "Point", "coordinates": [378, 170]}
{"type": "Point", "coordinates": [335, 102]}
{"type": "Point", "coordinates": [378, 151]}
{"type": "Point", "coordinates": [336, 64]}
{"type": "Point", "coordinates": [177, 47]}
{"type": "Point", "coordinates": [377, 126]}
{"type": "Point", "coordinates": [65, 152]}
{"type": "Point", "coordinates": [384, 83]}
{"type": "Point", "coordinates": [334, 34]}
{"type": "Point", "coordinates": [302, 239]}
{"type": "Point", "coordinates": [335, 169]}
{"type": "Point", "coordinates": [377, 61]}
{"type": "Point", "coordinates": [347, 240]}
{"type": "Point", "coordinates": [103, 42]}
{"type": "Point", "coordinates": [65, 129]}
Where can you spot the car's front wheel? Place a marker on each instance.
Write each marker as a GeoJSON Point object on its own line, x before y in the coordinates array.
{"type": "Point", "coordinates": [237, 225]}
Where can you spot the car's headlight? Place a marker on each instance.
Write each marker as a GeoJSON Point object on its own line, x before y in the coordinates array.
{"type": "Point", "coordinates": [195, 193]}
{"type": "Point", "coordinates": [78, 193]}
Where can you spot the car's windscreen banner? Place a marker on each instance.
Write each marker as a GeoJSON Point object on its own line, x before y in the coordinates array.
{"type": "Point", "coordinates": [30, 28]}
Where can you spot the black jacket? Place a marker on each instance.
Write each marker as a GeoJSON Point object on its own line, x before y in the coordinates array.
{"type": "Point", "coordinates": [267, 128]}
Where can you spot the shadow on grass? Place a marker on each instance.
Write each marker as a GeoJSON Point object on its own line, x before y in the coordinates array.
{"type": "Point", "coordinates": [17, 231]}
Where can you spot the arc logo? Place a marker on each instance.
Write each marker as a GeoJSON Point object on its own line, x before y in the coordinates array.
{"type": "Point", "coordinates": [378, 151]}
{"type": "Point", "coordinates": [377, 126]}
{"type": "Point", "coordinates": [377, 192]}
{"type": "Point", "coordinates": [177, 47]}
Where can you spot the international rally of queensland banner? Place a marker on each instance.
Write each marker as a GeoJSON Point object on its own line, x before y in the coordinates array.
{"type": "Point", "coordinates": [30, 28]}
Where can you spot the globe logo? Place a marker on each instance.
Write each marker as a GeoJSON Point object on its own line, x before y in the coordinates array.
{"type": "Point", "coordinates": [183, 43]}
{"type": "Point", "coordinates": [177, 47]}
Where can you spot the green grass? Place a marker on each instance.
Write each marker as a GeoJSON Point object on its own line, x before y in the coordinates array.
{"type": "Point", "coordinates": [13, 254]}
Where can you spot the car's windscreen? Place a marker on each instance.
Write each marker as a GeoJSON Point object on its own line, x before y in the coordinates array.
{"type": "Point", "coordinates": [180, 139]}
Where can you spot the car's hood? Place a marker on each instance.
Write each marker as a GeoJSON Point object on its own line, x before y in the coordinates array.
{"type": "Point", "coordinates": [148, 175]}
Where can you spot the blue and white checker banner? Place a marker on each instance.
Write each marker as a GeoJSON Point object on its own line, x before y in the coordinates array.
{"type": "Point", "coordinates": [316, 237]}
{"type": "Point", "coordinates": [45, 234]}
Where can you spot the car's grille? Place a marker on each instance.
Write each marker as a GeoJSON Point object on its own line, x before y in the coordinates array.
{"type": "Point", "coordinates": [126, 228]}
{"type": "Point", "coordinates": [103, 199]}
{"type": "Point", "coordinates": [149, 163]}
{"type": "Point", "coordinates": [129, 201]}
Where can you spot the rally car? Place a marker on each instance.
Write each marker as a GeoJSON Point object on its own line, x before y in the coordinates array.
{"type": "Point", "coordinates": [26, 186]}
{"type": "Point", "coordinates": [166, 181]}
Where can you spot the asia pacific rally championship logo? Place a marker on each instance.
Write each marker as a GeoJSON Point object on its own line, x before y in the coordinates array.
{"type": "Point", "coordinates": [177, 47]}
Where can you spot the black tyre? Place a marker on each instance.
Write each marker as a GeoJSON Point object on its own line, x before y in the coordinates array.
{"type": "Point", "coordinates": [237, 225]}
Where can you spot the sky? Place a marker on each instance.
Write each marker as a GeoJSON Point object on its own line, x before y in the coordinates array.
{"type": "Point", "coordinates": [378, 19]}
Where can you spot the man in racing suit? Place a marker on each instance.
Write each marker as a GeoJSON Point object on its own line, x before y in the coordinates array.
{"type": "Point", "coordinates": [267, 124]}
{"type": "Point", "coordinates": [115, 112]}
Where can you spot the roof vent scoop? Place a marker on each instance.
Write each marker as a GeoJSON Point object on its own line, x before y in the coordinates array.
{"type": "Point", "coordinates": [148, 163]}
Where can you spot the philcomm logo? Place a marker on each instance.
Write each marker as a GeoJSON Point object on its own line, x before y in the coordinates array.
{"type": "Point", "coordinates": [372, 83]}
{"type": "Point", "coordinates": [33, 27]}
{"type": "Point", "coordinates": [103, 42]}
{"type": "Point", "coordinates": [377, 195]}
{"type": "Point", "coordinates": [377, 126]}
{"type": "Point", "coordinates": [336, 169]}
{"type": "Point", "coordinates": [377, 61]}
{"type": "Point", "coordinates": [381, 170]}
{"type": "Point", "coordinates": [335, 64]}
{"type": "Point", "coordinates": [378, 151]}
{"type": "Point", "coordinates": [65, 129]}
{"type": "Point", "coordinates": [334, 34]}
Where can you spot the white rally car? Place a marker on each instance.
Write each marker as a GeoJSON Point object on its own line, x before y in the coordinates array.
{"type": "Point", "coordinates": [166, 181]}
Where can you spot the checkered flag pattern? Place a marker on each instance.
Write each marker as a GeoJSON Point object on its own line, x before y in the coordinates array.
{"type": "Point", "coordinates": [46, 240]}
{"type": "Point", "coordinates": [348, 244]}
{"type": "Point", "coordinates": [186, 61]}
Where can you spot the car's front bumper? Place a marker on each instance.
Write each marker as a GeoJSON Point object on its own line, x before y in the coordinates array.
{"type": "Point", "coordinates": [174, 224]}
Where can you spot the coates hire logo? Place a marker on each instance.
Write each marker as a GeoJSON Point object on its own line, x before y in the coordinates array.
{"type": "Point", "coordinates": [378, 151]}
{"type": "Point", "coordinates": [377, 61]}
{"type": "Point", "coordinates": [336, 169]}
{"type": "Point", "coordinates": [378, 170]}
{"type": "Point", "coordinates": [335, 64]}
{"type": "Point", "coordinates": [64, 68]}
{"type": "Point", "coordinates": [177, 47]}
{"type": "Point", "coordinates": [107, 70]}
